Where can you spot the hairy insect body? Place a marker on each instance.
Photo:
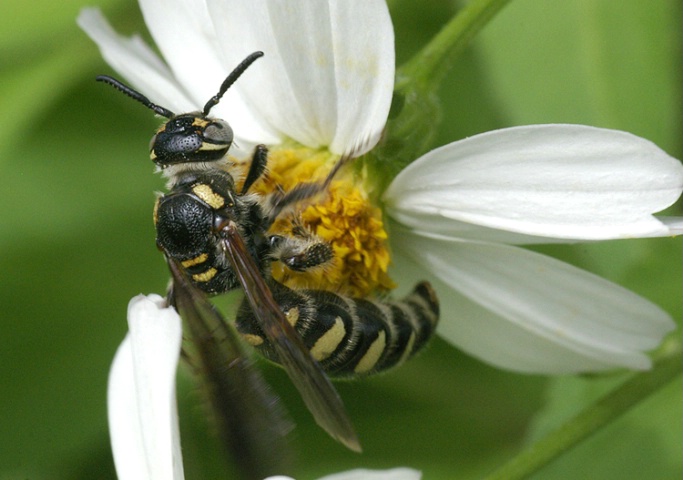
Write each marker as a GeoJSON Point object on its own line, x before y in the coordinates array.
{"type": "Point", "coordinates": [213, 238]}
{"type": "Point", "coordinates": [350, 336]}
{"type": "Point", "coordinates": [188, 221]}
{"type": "Point", "coordinates": [347, 336]}
{"type": "Point", "coordinates": [216, 235]}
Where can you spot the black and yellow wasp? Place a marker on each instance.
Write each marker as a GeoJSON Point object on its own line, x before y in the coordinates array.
{"type": "Point", "coordinates": [216, 239]}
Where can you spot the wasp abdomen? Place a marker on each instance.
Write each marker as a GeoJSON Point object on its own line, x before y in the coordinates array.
{"type": "Point", "coordinates": [350, 336]}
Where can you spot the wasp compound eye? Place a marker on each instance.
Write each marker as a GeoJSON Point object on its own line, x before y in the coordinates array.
{"type": "Point", "coordinates": [218, 132]}
{"type": "Point", "coordinates": [191, 138]}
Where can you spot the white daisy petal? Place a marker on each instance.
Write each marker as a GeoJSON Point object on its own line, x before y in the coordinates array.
{"type": "Point", "coordinates": [430, 225]}
{"type": "Point", "coordinates": [143, 420]}
{"type": "Point", "coordinates": [136, 62]}
{"type": "Point", "coordinates": [187, 39]}
{"type": "Point", "coordinates": [563, 181]}
{"type": "Point", "coordinates": [364, 67]}
{"type": "Point", "coordinates": [674, 224]}
{"type": "Point", "coordinates": [364, 474]}
{"type": "Point", "coordinates": [436, 226]}
{"type": "Point", "coordinates": [532, 313]}
{"type": "Point", "coordinates": [124, 428]}
{"type": "Point", "coordinates": [329, 67]}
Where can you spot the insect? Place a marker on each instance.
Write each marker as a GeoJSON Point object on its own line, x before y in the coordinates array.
{"type": "Point", "coordinates": [215, 237]}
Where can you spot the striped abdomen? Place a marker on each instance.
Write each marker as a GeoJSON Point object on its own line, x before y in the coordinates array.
{"type": "Point", "coordinates": [350, 336]}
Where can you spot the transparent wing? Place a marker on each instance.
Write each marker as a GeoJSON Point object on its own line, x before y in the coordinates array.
{"type": "Point", "coordinates": [249, 416]}
{"type": "Point", "coordinates": [317, 391]}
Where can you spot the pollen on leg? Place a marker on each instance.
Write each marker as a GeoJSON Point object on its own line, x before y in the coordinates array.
{"type": "Point", "coordinates": [344, 217]}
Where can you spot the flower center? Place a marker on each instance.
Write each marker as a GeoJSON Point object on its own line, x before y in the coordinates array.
{"type": "Point", "coordinates": [342, 217]}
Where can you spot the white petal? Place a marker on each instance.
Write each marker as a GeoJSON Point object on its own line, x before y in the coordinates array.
{"type": "Point", "coordinates": [436, 226]}
{"type": "Point", "coordinates": [523, 311]}
{"type": "Point", "coordinates": [563, 181]}
{"type": "Point", "coordinates": [136, 62]}
{"type": "Point", "coordinates": [143, 421]}
{"type": "Point", "coordinates": [363, 474]}
{"type": "Point", "coordinates": [674, 224]}
{"type": "Point", "coordinates": [327, 75]}
{"type": "Point", "coordinates": [186, 37]}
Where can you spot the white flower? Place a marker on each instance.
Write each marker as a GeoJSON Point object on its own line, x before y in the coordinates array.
{"type": "Point", "coordinates": [143, 420]}
{"type": "Point", "coordinates": [326, 81]}
{"type": "Point", "coordinates": [462, 205]}
{"type": "Point", "coordinates": [312, 72]}
{"type": "Point", "coordinates": [363, 474]}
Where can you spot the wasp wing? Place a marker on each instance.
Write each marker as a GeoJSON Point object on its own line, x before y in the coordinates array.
{"type": "Point", "coordinates": [317, 391]}
{"type": "Point", "coordinates": [250, 418]}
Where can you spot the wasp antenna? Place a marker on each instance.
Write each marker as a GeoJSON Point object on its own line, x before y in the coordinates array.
{"type": "Point", "coordinates": [121, 87]}
{"type": "Point", "coordinates": [234, 75]}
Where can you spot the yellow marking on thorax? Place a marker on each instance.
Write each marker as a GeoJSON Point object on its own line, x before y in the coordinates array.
{"type": "Point", "coordinates": [292, 316]}
{"type": "Point", "coordinates": [155, 213]}
{"type": "Point", "coordinates": [373, 354]}
{"type": "Point", "coordinates": [195, 261]}
{"type": "Point", "coordinates": [328, 343]}
{"type": "Point", "coordinates": [205, 276]}
{"type": "Point", "coordinates": [208, 196]}
{"type": "Point", "coordinates": [253, 340]}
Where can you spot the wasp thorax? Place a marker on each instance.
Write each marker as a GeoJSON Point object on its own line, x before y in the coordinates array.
{"type": "Point", "coordinates": [190, 137]}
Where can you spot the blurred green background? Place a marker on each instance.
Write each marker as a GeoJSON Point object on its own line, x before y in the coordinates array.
{"type": "Point", "coordinates": [77, 243]}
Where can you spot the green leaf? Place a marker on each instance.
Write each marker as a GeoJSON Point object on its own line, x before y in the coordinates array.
{"type": "Point", "coordinates": [78, 242]}
{"type": "Point", "coordinates": [28, 27]}
{"type": "Point", "coordinates": [601, 63]}
{"type": "Point", "coordinates": [644, 443]}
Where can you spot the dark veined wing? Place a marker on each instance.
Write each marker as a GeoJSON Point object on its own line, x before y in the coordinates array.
{"type": "Point", "coordinates": [250, 419]}
{"type": "Point", "coordinates": [317, 391]}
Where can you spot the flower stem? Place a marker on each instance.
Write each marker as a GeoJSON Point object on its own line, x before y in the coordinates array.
{"type": "Point", "coordinates": [591, 419]}
{"type": "Point", "coordinates": [415, 112]}
{"type": "Point", "coordinates": [433, 62]}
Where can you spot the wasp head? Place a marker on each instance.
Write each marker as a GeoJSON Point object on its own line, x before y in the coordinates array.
{"type": "Point", "coordinates": [190, 137]}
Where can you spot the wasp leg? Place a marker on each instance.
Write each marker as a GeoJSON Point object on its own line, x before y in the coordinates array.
{"type": "Point", "coordinates": [301, 251]}
{"type": "Point", "coordinates": [258, 165]}
{"type": "Point", "coordinates": [303, 191]}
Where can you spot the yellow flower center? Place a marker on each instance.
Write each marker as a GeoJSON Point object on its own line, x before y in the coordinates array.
{"type": "Point", "coordinates": [342, 216]}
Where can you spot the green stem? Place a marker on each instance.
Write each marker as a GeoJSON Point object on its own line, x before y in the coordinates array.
{"type": "Point", "coordinates": [415, 112]}
{"type": "Point", "coordinates": [433, 62]}
{"type": "Point", "coordinates": [591, 419]}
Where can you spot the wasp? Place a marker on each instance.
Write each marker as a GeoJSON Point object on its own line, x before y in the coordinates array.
{"type": "Point", "coordinates": [215, 237]}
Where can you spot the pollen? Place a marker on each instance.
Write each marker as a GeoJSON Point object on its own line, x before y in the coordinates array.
{"type": "Point", "coordinates": [342, 216]}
